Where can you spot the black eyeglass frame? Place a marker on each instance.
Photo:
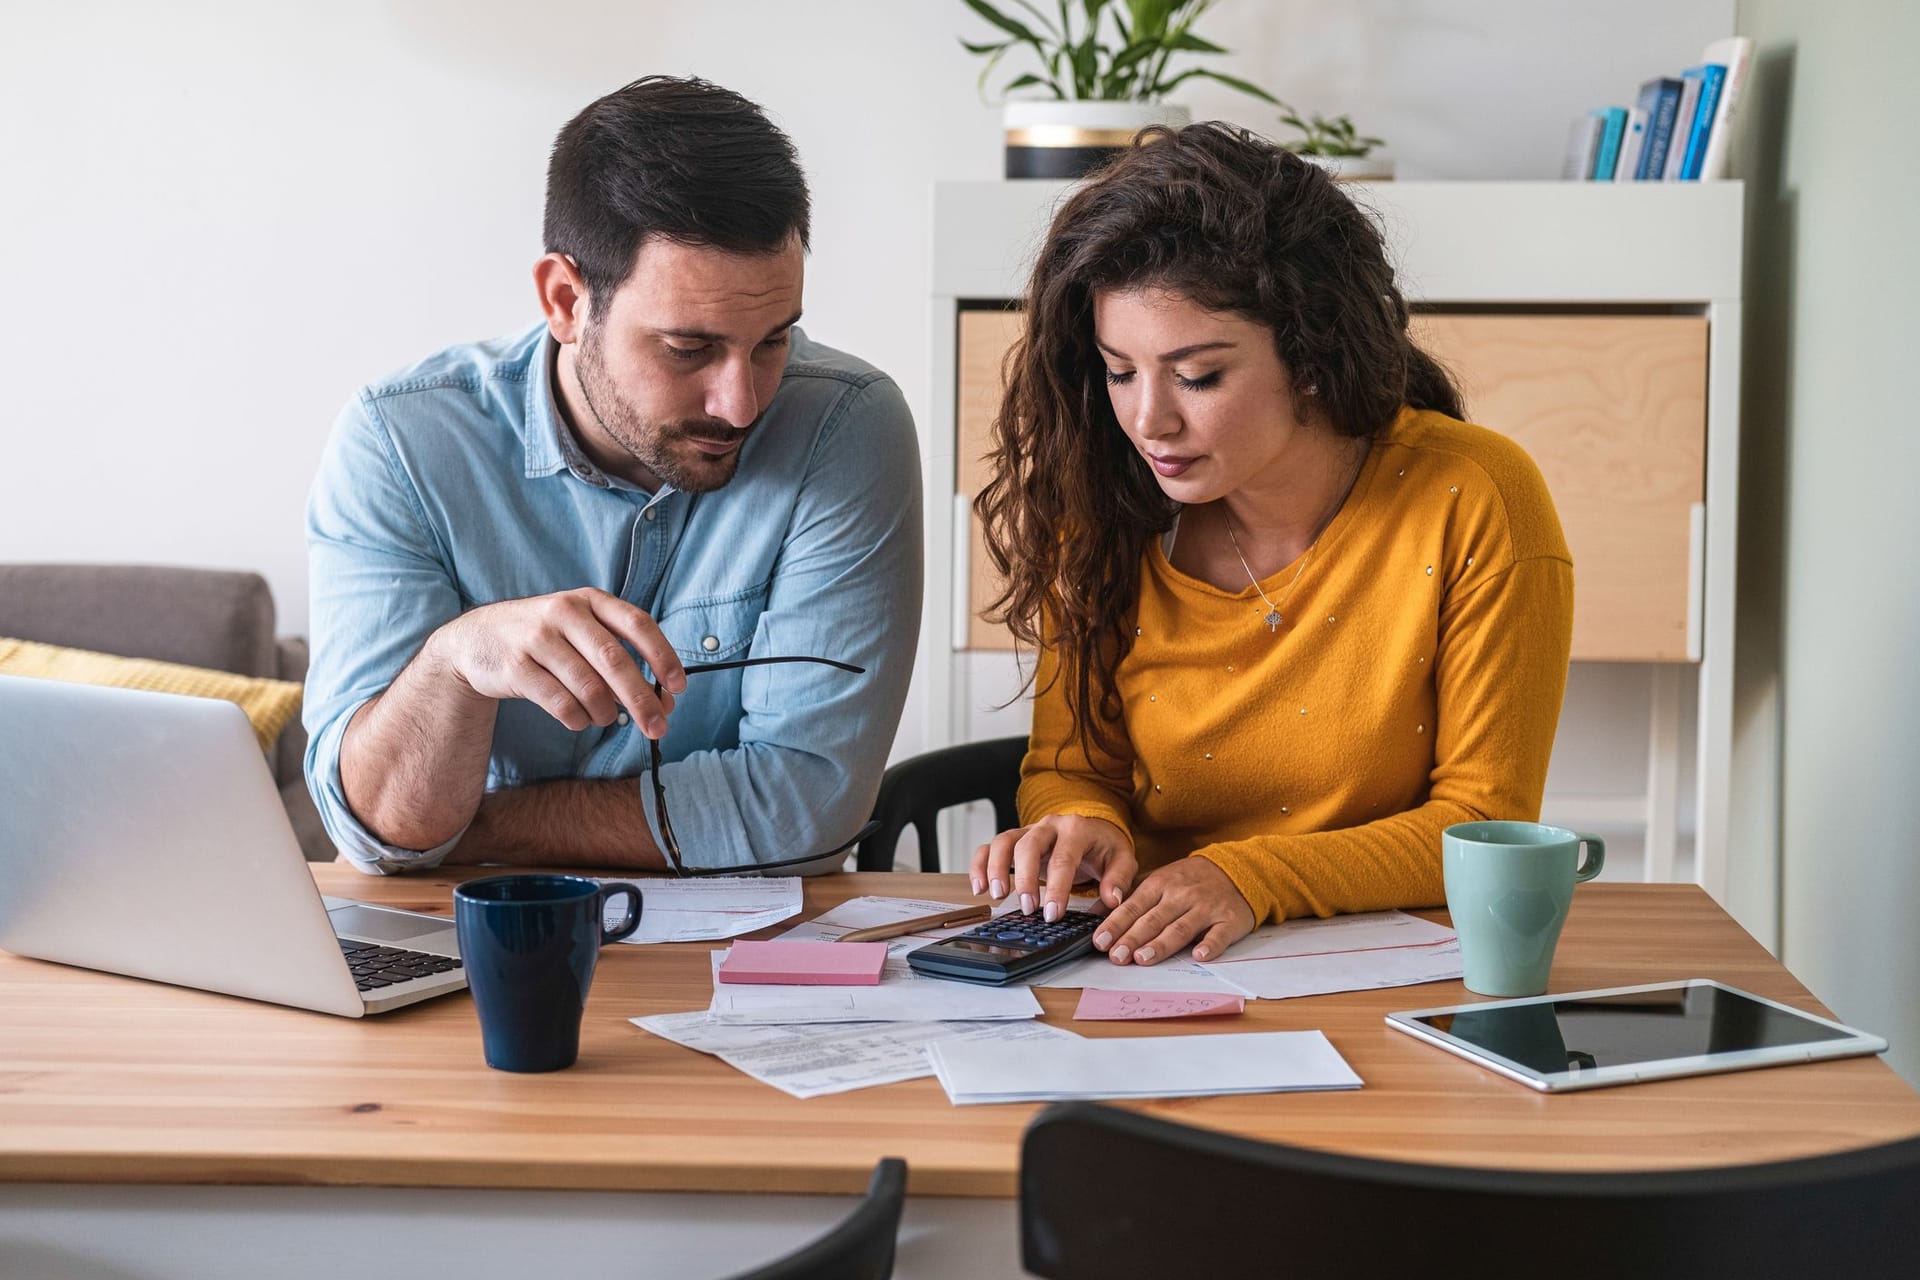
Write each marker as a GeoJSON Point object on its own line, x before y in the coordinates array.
{"type": "Point", "coordinates": [670, 844]}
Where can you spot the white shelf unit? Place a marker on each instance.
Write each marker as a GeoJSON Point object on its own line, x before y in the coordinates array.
{"type": "Point", "coordinates": [1561, 247]}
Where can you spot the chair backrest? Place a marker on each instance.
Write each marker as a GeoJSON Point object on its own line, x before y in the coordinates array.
{"type": "Point", "coordinates": [861, 1247]}
{"type": "Point", "coordinates": [915, 791]}
{"type": "Point", "coordinates": [1110, 1194]}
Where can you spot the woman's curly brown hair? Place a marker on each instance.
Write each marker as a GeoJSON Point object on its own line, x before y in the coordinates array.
{"type": "Point", "coordinates": [1236, 225]}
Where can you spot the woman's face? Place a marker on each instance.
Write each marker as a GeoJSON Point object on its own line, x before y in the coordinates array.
{"type": "Point", "coordinates": [1201, 394]}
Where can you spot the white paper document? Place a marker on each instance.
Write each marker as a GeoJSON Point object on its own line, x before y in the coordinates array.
{"type": "Point", "coordinates": [821, 1058]}
{"type": "Point", "coordinates": [902, 996]}
{"type": "Point", "coordinates": [1139, 1067]}
{"type": "Point", "coordinates": [1182, 973]}
{"type": "Point", "coordinates": [863, 913]}
{"type": "Point", "coordinates": [708, 907]}
{"type": "Point", "coordinates": [1345, 953]}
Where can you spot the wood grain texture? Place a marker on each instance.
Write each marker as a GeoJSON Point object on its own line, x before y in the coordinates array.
{"type": "Point", "coordinates": [107, 1079]}
{"type": "Point", "coordinates": [1613, 409]}
{"type": "Point", "coordinates": [985, 338]}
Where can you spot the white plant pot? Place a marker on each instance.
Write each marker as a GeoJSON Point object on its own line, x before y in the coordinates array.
{"type": "Point", "coordinates": [1070, 139]}
{"type": "Point", "coordinates": [1354, 168]}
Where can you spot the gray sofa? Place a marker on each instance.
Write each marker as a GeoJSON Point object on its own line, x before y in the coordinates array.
{"type": "Point", "coordinates": [202, 617]}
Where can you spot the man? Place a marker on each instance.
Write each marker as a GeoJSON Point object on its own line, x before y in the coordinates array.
{"type": "Point", "coordinates": [512, 542]}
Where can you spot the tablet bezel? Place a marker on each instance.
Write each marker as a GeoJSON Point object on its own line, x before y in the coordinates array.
{"type": "Point", "coordinates": [1857, 1043]}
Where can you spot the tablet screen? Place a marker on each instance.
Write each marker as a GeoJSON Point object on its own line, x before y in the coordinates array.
{"type": "Point", "coordinates": [1586, 1032]}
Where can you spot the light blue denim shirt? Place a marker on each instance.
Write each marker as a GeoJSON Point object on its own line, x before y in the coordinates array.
{"type": "Point", "coordinates": [456, 484]}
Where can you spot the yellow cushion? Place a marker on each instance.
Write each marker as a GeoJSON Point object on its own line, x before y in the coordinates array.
{"type": "Point", "coordinates": [269, 704]}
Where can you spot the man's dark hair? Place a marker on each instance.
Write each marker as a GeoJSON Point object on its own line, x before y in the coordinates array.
{"type": "Point", "coordinates": [684, 160]}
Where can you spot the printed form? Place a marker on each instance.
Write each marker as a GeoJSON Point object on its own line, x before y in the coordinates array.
{"type": "Point", "coordinates": [707, 908]}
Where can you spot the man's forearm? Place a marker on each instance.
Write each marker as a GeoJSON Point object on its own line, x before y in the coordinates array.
{"type": "Point", "coordinates": [413, 761]}
{"type": "Point", "coordinates": [563, 823]}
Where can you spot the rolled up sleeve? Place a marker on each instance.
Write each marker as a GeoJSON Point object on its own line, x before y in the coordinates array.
{"type": "Point", "coordinates": [379, 586]}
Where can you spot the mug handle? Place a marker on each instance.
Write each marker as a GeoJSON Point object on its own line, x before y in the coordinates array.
{"type": "Point", "coordinates": [629, 922]}
{"type": "Point", "coordinates": [1596, 851]}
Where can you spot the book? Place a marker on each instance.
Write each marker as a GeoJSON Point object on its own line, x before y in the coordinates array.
{"type": "Point", "coordinates": [1583, 141]}
{"type": "Point", "coordinates": [1632, 142]}
{"type": "Point", "coordinates": [1712, 76]}
{"type": "Point", "coordinates": [1683, 122]}
{"type": "Point", "coordinates": [1736, 54]}
{"type": "Point", "coordinates": [1660, 99]}
{"type": "Point", "coordinates": [1613, 124]}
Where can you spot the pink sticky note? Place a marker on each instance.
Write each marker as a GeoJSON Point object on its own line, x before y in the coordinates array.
{"type": "Point", "coordinates": [812, 964]}
{"type": "Point", "coordinates": [1097, 1005]}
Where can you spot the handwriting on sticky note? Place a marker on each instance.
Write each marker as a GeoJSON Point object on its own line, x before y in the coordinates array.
{"type": "Point", "coordinates": [1097, 1005]}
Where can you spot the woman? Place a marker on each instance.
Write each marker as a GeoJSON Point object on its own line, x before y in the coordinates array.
{"type": "Point", "coordinates": [1294, 617]}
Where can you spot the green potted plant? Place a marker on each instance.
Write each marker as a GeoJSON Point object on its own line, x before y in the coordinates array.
{"type": "Point", "coordinates": [1105, 66]}
{"type": "Point", "coordinates": [1336, 146]}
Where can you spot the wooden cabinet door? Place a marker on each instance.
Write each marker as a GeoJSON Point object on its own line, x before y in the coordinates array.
{"type": "Point", "coordinates": [985, 338]}
{"type": "Point", "coordinates": [1613, 409]}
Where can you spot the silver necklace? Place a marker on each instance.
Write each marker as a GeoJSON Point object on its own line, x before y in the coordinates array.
{"type": "Point", "coordinates": [1273, 618]}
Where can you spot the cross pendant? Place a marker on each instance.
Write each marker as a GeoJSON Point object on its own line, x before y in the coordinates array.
{"type": "Point", "coordinates": [1273, 620]}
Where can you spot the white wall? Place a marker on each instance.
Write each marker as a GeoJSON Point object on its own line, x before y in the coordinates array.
{"type": "Point", "coordinates": [1830, 523]}
{"type": "Point", "coordinates": [219, 218]}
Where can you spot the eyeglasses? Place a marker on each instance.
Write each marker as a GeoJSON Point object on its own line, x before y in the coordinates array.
{"type": "Point", "coordinates": [670, 844]}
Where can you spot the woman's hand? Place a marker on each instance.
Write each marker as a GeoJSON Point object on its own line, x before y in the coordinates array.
{"type": "Point", "coordinates": [1184, 900]}
{"type": "Point", "coordinates": [1061, 850]}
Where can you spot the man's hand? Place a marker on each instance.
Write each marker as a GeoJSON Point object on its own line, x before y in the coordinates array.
{"type": "Point", "coordinates": [413, 761]}
{"type": "Point", "coordinates": [1060, 850]}
{"type": "Point", "coordinates": [1184, 900]}
{"type": "Point", "coordinates": [566, 653]}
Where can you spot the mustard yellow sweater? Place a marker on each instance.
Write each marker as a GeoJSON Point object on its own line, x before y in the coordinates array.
{"type": "Point", "coordinates": [1415, 683]}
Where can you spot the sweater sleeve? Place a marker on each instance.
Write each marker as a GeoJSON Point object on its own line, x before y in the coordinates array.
{"type": "Point", "coordinates": [1500, 672]}
{"type": "Point", "coordinates": [1063, 776]}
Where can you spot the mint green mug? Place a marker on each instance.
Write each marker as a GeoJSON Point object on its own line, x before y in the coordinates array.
{"type": "Point", "coordinates": [1509, 885]}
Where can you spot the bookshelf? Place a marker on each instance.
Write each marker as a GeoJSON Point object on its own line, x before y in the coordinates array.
{"type": "Point", "coordinates": [1597, 323]}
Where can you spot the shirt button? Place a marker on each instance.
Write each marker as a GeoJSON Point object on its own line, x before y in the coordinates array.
{"type": "Point", "coordinates": [710, 643]}
{"type": "Point", "coordinates": [647, 514]}
{"type": "Point", "coordinates": [623, 718]}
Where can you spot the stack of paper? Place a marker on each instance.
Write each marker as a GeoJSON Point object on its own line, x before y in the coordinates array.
{"type": "Point", "coordinates": [820, 1058]}
{"type": "Point", "coordinates": [708, 908]}
{"type": "Point", "coordinates": [1140, 1067]}
{"type": "Point", "coordinates": [902, 996]}
{"type": "Point", "coordinates": [1345, 953]}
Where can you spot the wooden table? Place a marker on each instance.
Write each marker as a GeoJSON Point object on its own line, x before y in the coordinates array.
{"type": "Point", "coordinates": [105, 1080]}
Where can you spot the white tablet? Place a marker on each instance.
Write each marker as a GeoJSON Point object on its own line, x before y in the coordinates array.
{"type": "Point", "coordinates": [1589, 1039]}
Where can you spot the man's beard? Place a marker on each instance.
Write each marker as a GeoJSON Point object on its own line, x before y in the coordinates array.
{"type": "Point", "coordinates": [653, 444]}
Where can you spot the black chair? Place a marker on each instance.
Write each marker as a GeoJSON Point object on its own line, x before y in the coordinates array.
{"type": "Point", "coordinates": [1110, 1194]}
{"type": "Point", "coordinates": [914, 791]}
{"type": "Point", "coordinates": [861, 1247]}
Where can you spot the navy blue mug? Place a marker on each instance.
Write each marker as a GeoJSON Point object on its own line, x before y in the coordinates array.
{"type": "Point", "coordinates": [528, 944]}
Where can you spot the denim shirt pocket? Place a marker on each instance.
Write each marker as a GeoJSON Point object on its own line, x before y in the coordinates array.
{"type": "Point", "coordinates": [715, 628]}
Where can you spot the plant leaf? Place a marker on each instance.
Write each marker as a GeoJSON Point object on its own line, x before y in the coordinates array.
{"type": "Point", "coordinates": [1232, 82]}
{"type": "Point", "coordinates": [1046, 24]}
{"type": "Point", "coordinates": [1187, 42]}
{"type": "Point", "coordinates": [1012, 26]}
{"type": "Point", "coordinates": [984, 48]}
{"type": "Point", "coordinates": [1085, 78]}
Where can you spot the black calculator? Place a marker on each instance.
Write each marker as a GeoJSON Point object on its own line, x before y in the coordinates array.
{"type": "Point", "coordinates": [1008, 948]}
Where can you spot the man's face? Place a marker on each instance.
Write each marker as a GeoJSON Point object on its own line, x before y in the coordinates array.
{"type": "Point", "coordinates": [687, 356]}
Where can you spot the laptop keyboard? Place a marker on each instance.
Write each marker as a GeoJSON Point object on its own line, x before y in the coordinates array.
{"type": "Point", "coordinates": [375, 966]}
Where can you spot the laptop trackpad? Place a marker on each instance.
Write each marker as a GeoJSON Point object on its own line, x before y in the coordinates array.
{"type": "Point", "coordinates": [384, 926]}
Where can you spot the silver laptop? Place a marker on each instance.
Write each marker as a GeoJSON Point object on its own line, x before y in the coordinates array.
{"type": "Point", "coordinates": [142, 833]}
